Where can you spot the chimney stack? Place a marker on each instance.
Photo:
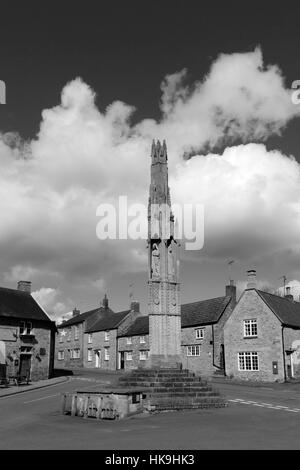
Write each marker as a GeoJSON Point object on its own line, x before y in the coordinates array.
{"type": "Point", "coordinates": [231, 292]}
{"type": "Point", "coordinates": [288, 295]}
{"type": "Point", "coordinates": [135, 307]}
{"type": "Point", "coordinates": [105, 302]}
{"type": "Point", "coordinates": [252, 282]}
{"type": "Point", "coordinates": [76, 312]}
{"type": "Point", "coordinates": [24, 286]}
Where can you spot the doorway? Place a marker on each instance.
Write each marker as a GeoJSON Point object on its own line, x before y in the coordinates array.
{"type": "Point", "coordinates": [121, 360]}
{"type": "Point", "coordinates": [98, 359]}
{"type": "Point", "coordinates": [25, 365]}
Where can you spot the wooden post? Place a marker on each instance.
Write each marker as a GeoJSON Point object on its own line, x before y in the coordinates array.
{"type": "Point", "coordinates": [99, 408]}
{"type": "Point", "coordinates": [74, 405]}
{"type": "Point", "coordinates": [63, 403]}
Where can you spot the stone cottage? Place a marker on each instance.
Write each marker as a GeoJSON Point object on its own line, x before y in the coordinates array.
{"type": "Point", "coordinates": [262, 336]}
{"type": "Point", "coordinates": [100, 339]}
{"type": "Point", "coordinates": [27, 335]}
{"type": "Point", "coordinates": [202, 343]}
{"type": "Point", "coordinates": [69, 346]}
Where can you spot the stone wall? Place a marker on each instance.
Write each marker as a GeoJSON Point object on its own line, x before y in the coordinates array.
{"type": "Point", "coordinates": [292, 358]}
{"type": "Point", "coordinates": [39, 347]}
{"type": "Point", "coordinates": [68, 344]}
{"type": "Point", "coordinates": [202, 364]}
{"type": "Point", "coordinates": [98, 346]}
{"type": "Point", "coordinates": [136, 347]}
{"type": "Point", "coordinates": [268, 343]}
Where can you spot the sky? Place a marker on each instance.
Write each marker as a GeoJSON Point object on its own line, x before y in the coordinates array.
{"type": "Point", "coordinates": [88, 88]}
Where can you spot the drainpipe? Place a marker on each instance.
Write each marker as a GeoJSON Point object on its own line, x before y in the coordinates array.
{"type": "Point", "coordinates": [283, 349]}
{"type": "Point", "coordinates": [213, 341]}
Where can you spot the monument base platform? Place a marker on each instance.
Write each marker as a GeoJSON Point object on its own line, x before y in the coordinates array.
{"type": "Point", "coordinates": [157, 361]}
{"type": "Point", "coordinates": [173, 389]}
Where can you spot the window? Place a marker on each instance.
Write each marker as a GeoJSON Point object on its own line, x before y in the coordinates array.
{"type": "Point", "coordinates": [71, 353]}
{"type": "Point", "coordinates": [129, 356]}
{"type": "Point", "coordinates": [76, 333]}
{"type": "Point", "coordinates": [106, 354]}
{"type": "Point", "coordinates": [69, 334]}
{"type": "Point", "coordinates": [129, 340]}
{"type": "Point", "coordinates": [76, 354]}
{"type": "Point", "coordinates": [142, 340]}
{"type": "Point", "coordinates": [143, 355]}
{"type": "Point", "coordinates": [250, 328]}
{"type": "Point", "coordinates": [61, 336]}
{"type": "Point", "coordinates": [90, 355]}
{"type": "Point", "coordinates": [200, 333]}
{"type": "Point", "coordinates": [106, 336]}
{"type": "Point", "coordinates": [193, 351]}
{"type": "Point", "coordinates": [248, 361]}
{"type": "Point", "coordinates": [90, 338]}
{"type": "Point", "coordinates": [61, 355]}
{"type": "Point", "coordinates": [25, 328]}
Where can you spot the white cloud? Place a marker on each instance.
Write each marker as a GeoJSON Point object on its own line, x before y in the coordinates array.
{"type": "Point", "coordinates": [50, 188]}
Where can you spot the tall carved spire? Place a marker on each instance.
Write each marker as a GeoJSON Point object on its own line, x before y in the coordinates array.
{"type": "Point", "coordinates": [164, 303]}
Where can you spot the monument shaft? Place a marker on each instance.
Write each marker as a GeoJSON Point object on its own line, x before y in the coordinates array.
{"type": "Point", "coordinates": [163, 285]}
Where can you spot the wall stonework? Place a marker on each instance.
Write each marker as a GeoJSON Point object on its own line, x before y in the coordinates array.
{"type": "Point", "coordinates": [98, 346]}
{"type": "Point", "coordinates": [63, 343]}
{"type": "Point", "coordinates": [268, 343]}
{"type": "Point", "coordinates": [292, 358]}
{"type": "Point", "coordinates": [40, 346]}
{"type": "Point", "coordinates": [135, 347]}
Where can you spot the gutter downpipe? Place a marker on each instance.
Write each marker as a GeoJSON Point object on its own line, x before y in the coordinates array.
{"type": "Point", "coordinates": [213, 341]}
{"type": "Point", "coordinates": [283, 350]}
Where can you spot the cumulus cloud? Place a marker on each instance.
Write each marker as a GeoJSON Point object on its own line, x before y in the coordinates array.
{"type": "Point", "coordinates": [47, 298]}
{"type": "Point", "coordinates": [51, 187]}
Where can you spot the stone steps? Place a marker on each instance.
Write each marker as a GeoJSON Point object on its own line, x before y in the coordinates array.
{"type": "Point", "coordinates": [173, 389]}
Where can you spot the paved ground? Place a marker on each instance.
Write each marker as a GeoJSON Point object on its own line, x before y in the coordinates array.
{"type": "Point", "coordinates": [257, 418]}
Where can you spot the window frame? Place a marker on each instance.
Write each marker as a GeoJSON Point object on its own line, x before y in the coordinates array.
{"type": "Point", "coordinates": [106, 354]}
{"type": "Point", "coordinates": [145, 354]}
{"type": "Point", "coordinates": [129, 340]}
{"type": "Point", "coordinates": [247, 358]}
{"type": "Point", "coordinates": [106, 336]}
{"type": "Point", "coordinates": [250, 325]}
{"type": "Point", "coordinates": [61, 355]}
{"type": "Point", "coordinates": [198, 336]}
{"type": "Point", "coordinates": [76, 332]}
{"type": "Point", "coordinates": [90, 355]}
{"type": "Point", "coordinates": [129, 356]}
{"type": "Point", "coordinates": [143, 339]}
{"type": "Point", "coordinates": [90, 338]}
{"type": "Point", "coordinates": [193, 350]}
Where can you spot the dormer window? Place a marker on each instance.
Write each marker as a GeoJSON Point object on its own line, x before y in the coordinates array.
{"type": "Point", "coordinates": [25, 328]}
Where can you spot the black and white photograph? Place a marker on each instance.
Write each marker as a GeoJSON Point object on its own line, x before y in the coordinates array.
{"type": "Point", "coordinates": [149, 228]}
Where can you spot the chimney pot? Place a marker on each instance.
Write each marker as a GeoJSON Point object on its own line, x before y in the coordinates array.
{"type": "Point", "coordinates": [76, 312]}
{"type": "Point", "coordinates": [252, 282]}
{"type": "Point", "coordinates": [288, 295]}
{"type": "Point", "coordinates": [135, 307]}
{"type": "Point", "coordinates": [231, 292]}
{"type": "Point", "coordinates": [24, 286]}
{"type": "Point", "coordinates": [105, 302]}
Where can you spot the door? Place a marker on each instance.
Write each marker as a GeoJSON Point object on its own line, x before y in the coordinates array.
{"type": "Point", "coordinates": [222, 357]}
{"type": "Point", "coordinates": [25, 365]}
{"type": "Point", "coordinates": [98, 359]}
{"type": "Point", "coordinates": [122, 360]}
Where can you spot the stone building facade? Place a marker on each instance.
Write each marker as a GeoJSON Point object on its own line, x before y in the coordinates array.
{"type": "Point", "coordinates": [202, 342]}
{"type": "Point", "coordinates": [27, 335]}
{"type": "Point", "coordinates": [101, 339]}
{"type": "Point", "coordinates": [262, 337]}
{"type": "Point", "coordinates": [70, 344]}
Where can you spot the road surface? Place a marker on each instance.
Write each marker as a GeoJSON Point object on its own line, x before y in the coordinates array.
{"type": "Point", "coordinates": [257, 418]}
